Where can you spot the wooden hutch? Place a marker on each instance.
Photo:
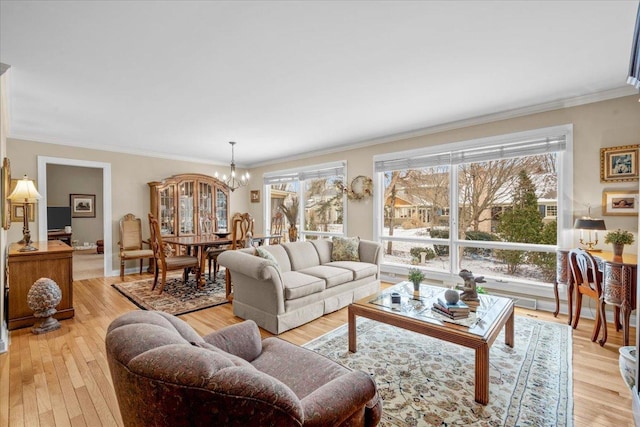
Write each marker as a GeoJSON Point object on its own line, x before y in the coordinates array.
{"type": "Point", "coordinates": [190, 204]}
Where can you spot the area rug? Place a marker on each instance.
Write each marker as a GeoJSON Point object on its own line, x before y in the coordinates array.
{"type": "Point", "coordinates": [428, 382]}
{"type": "Point", "coordinates": [176, 298]}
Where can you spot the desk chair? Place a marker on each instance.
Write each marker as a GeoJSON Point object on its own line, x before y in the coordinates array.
{"type": "Point", "coordinates": [131, 242]}
{"type": "Point", "coordinates": [168, 263]}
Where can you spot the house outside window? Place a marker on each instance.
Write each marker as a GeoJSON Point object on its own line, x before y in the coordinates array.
{"type": "Point", "coordinates": [498, 195]}
{"type": "Point", "coordinates": [309, 199]}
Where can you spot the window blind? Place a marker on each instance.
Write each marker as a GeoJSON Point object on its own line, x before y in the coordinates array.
{"type": "Point", "coordinates": [317, 172]}
{"type": "Point", "coordinates": [475, 154]}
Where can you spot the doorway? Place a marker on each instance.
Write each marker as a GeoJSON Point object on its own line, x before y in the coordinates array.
{"type": "Point", "coordinates": [43, 162]}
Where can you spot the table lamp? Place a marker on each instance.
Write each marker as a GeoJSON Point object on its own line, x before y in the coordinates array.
{"type": "Point", "coordinates": [588, 223]}
{"type": "Point", "coordinates": [25, 193]}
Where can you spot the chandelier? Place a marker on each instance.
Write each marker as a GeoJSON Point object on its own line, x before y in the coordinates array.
{"type": "Point", "coordinates": [232, 181]}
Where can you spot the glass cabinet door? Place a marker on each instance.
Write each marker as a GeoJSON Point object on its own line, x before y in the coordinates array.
{"type": "Point", "coordinates": [221, 210]}
{"type": "Point", "coordinates": [186, 205]}
{"type": "Point", "coordinates": [205, 208]}
{"type": "Point", "coordinates": [167, 211]}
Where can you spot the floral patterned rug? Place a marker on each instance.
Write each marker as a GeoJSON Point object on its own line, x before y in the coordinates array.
{"type": "Point", "coordinates": [428, 382]}
{"type": "Point", "coordinates": [176, 298]}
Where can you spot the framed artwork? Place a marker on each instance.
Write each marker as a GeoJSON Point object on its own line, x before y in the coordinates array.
{"type": "Point", "coordinates": [255, 196]}
{"type": "Point", "coordinates": [83, 205]}
{"type": "Point", "coordinates": [16, 210]}
{"type": "Point", "coordinates": [6, 186]}
{"type": "Point", "coordinates": [17, 213]}
{"type": "Point", "coordinates": [619, 163]}
{"type": "Point", "coordinates": [620, 203]}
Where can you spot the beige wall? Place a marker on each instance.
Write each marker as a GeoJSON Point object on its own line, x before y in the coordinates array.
{"type": "Point", "coordinates": [129, 177]}
{"type": "Point", "coordinates": [64, 180]}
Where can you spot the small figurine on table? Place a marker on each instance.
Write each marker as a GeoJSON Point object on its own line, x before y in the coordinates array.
{"type": "Point", "coordinates": [469, 289]}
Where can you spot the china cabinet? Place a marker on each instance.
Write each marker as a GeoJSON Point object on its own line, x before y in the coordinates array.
{"type": "Point", "coordinates": [189, 204]}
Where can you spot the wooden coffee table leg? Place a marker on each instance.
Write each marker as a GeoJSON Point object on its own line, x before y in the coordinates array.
{"type": "Point", "coordinates": [352, 330]}
{"type": "Point", "coordinates": [482, 374]}
{"type": "Point", "coordinates": [509, 328]}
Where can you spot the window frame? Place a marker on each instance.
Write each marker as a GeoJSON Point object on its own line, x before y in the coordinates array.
{"type": "Point", "coordinates": [301, 175]}
{"type": "Point", "coordinates": [564, 203]}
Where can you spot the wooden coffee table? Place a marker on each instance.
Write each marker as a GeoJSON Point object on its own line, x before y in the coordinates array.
{"type": "Point", "coordinates": [414, 314]}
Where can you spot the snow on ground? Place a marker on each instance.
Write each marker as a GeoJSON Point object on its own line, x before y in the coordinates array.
{"type": "Point", "coordinates": [479, 265]}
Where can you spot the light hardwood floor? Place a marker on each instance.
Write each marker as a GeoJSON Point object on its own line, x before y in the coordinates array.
{"type": "Point", "coordinates": [62, 378]}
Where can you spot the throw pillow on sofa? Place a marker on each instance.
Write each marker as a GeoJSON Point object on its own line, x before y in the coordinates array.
{"type": "Point", "coordinates": [345, 249]}
{"type": "Point", "coordinates": [263, 253]}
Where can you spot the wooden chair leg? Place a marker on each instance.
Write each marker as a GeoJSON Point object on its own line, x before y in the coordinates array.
{"type": "Point", "coordinates": [209, 262]}
{"type": "Point", "coordinates": [141, 265]}
{"type": "Point", "coordinates": [162, 283]}
{"type": "Point", "coordinates": [577, 309]}
{"type": "Point", "coordinates": [603, 323]}
{"type": "Point", "coordinates": [155, 279]}
{"type": "Point", "coordinates": [122, 268]}
{"type": "Point", "coordinates": [597, 323]}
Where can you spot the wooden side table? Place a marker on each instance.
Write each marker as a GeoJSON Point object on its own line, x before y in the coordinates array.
{"type": "Point", "coordinates": [54, 260]}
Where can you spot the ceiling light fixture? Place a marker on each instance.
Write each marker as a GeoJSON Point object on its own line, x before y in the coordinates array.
{"type": "Point", "coordinates": [232, 181]}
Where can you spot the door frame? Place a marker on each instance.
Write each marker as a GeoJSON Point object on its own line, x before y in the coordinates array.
{"type": "Point", "coordinates": [43, 161]}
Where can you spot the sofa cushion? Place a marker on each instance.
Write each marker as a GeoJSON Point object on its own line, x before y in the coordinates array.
{"type": "Point", "coordinates": [263, 253]}
{"type": "Point", "coordinates": [333, 276]}
{"type": "Point", "coordinates": [281, 256]}
{"type": "Point", "coordinates": [302, 255]}
{"type": "Point", "coordinates": [297, 285]}
{"type": "Point", "coordinates": [345, 249]}
{"type": "Point", "coordinates": [359, 269]}
{"type": "Point", "coordinates": [324, 248]}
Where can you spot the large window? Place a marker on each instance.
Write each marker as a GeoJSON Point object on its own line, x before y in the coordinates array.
{"type": "Point", "coordinates": [309, 200]}
{"type": "Point", "coordinates": [490, 206]}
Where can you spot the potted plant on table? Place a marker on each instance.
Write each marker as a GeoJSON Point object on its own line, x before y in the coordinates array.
{"type": "Point", "coordinates": [618, 239]}
{"type": "Point", "coordinates": [415, 276]}
{"type": "Point", "coordinates": [290, 210]}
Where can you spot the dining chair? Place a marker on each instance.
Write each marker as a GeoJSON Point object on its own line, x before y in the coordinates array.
{"type": "Point", "coordinates": [241, 237]}
{"type": "Point", "coordinates": [166, 263]}
{"type": "Point", "coordinates": [588, 281]}
{"type": "Point", "coordinates": [131, 242]}
{"type": "Point", "coordinates": [212, 256]}
{"type": "Point", "coordinates": [277, 224]}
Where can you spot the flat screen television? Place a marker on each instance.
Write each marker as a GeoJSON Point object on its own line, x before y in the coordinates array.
{"type": "Point", "coordinates": [58, 217]}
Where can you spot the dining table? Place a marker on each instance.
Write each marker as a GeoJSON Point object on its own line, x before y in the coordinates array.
{"type": "Point", "coordinates": [197, 245]}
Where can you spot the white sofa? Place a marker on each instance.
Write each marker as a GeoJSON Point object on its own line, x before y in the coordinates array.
{"type": "Point", "coordinates": [304, 285]}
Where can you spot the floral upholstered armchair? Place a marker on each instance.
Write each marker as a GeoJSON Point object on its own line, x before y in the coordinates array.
{"type": "Point", "coordinates": [165, 374]}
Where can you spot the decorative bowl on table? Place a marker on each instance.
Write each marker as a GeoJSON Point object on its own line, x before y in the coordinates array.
{"type": "Point", "coordinates": [221, 234]}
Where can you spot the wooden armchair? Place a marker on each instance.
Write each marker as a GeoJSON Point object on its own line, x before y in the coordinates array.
{"type": "Point", "coordinates": [166, 263]}
{"type": "Point", "coordinates": [131, 242]}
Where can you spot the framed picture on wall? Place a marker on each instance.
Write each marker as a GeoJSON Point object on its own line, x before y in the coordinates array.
{"type": "Point", "coordinates": [255, 196]}
{"type": "Point", "coordinates": [619, 163]}
{"type": "Point", "coordinates": [83, 205]}
{"type": "Point", "coordinates": [620, 203]}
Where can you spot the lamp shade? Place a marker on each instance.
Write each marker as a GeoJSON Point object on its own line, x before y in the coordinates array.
{"type": "Point", "coordinates": [589, 224]}
{"type": "Point", "coordinates": [25, 192]}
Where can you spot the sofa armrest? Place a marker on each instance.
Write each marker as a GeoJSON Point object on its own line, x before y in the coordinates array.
{"type": "Point", "coordinates": [370, 251]}
{"type": "Point", "coordinates": [242, 340]}
{"type": "Point", "coordinates": [343, 395]}
{"type": "Point", "coordinates": [249, 265]}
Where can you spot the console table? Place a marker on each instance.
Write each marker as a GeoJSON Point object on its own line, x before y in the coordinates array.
{"type": "Point", "coordinates": [54, 260]}
{"type": "Point", "coordinates": [59, 235]}
{"type": "Point", "coordinates": [619, 276]}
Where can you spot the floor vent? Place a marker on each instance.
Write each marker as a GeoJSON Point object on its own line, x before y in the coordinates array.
{"type": "Point", "coordinates": [529, 303]}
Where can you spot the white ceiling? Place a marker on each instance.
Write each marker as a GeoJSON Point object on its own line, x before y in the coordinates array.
{"type": "Point", "coordinates": [181, 79]}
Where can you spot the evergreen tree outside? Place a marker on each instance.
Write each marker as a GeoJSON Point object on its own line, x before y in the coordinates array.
{"type": "Point", "coordinates": [521, 224]}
